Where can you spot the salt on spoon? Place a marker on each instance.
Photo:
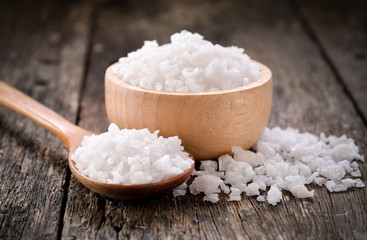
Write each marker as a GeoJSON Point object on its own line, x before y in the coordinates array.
{"type": "Point", "coordinates": [72, 136]}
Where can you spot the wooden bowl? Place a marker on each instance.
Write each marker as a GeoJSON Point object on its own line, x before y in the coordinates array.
{"type": "Point", "coordinates": [209, 123]}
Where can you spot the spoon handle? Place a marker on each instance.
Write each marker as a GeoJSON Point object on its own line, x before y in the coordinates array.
{"type": "Point", "coordinates": [30, 108]}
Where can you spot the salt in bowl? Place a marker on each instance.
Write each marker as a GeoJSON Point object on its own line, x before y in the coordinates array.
{"type": "Point", "coordinates": [209, 123]}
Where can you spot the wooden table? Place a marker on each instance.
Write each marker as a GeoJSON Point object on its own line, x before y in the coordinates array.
{"type": "Point", "coordinates": [57, 53]}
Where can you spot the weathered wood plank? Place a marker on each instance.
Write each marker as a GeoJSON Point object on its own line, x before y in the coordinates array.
{"type": "Point", "coordinates": [307, 95]}
{"type": "Point", "coordinates": [43, 49]}
{"type": "Point", "coordinates": [341, 29]}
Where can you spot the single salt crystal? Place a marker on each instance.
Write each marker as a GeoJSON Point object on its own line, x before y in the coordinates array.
{"type": "Point", "coordinates": [187, 64]}
{"type": "Point", "coordinates": [354, 165]}
{"type": "Point", "coordinates": [208, 165]}
{"type": "Point", "coordinates": [260, 180]}
{"type": "Point", "coordinates": [208, 184]}
{"type": "Point", "coordinates": [130, 157]}
{"type": "Point", "coordinates": [211, 198]}
{"type": "Point", "coordinates": [252, 189]}
{"type": "Point", "coordinates": [225, 188]}
{"type": "Point", "coordinates": [359, 183]}
{"type": "Point", "coordinates": [254, 159]}
{"type": "Point", "coordinates": [334, 172]}
{"type": "Point", "coordinates": [356, 173]}
{"type": "Point", "coordinates": [330, 185]}
{"type": "Point", "coordinates": [180, 190]}
{"type": "Point", "coordinates": [260, 198]}
{"type": "Point", "coordinates": [349, 182]}
{"type": "Point", "coordinates": [339, 188]}
{"type": "Point", "coordinates": [274, 195]}
{"type": "Point", "coordinates": [299, 190]}
{"type": "Point", "coordinates": [235, 194]}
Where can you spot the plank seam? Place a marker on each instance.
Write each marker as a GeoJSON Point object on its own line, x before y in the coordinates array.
{"type": "Point", "coordinates": [313, 37]}
{"type": "Point", "coordinates": [92, 26]}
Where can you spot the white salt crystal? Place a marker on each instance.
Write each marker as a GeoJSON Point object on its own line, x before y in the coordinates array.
{"type": "Point", "coordinates": [178, 192]}
{"type": "Point", "coordinates": [208, 165]}
{"type": "Point", "coordinates": [130, 157]}
{"type": "Point", "coordinates": [208, 184]}
{"type": "Point", "coordinates": [211, 198]}
{"type": "Point", "coordinates": [299, 190]}
{"type": "Point", "coordinates": [330, 185]}
{"type": "Point", "coordinates": [334, 172]}
{"type": "Point", "coordinates": [274, 195]}
{"type": "Point", "coordinates": [235, 194]}
{"type": "Point", "coordinates": [312, 178]}
{"type": "Point", "coordinates": [339, 188]}
{"type": "Point", "coordinates": [252, 189]}
{"type": "Point", "coordinates": [356, 173]}
{"type": "Point", "coordinates": [354, 165]}
{"type": "Point", "coordinates": [346, 165]}
{"type": "Point", "coordinates": [254, 159]}
{"type": "Point", "coordinates": [224, 161]}
{"type": "Point", "coordinates": [260, 198]}
{"type": "Point", "coordinates": [286, 160]}
{"type": "Point", "coordinates": [225, 188]}
{"type": "Point", "coordinates": [359, 183]}
{"type": "Point", "coordinates": [183, 186]}
{"type": "Point", "coordinates": [260, 181]}
{"type": "Point", "coordinates": [349, 182]}
{"type": "Point", "coordinates": [187, 64]}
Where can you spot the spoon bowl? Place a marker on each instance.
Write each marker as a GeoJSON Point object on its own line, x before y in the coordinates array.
{"type": "Point", "coordinates": [72, 136]}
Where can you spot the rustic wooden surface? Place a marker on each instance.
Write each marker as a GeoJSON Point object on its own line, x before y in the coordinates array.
{"type": "Point", "coordinates": [57, 51]}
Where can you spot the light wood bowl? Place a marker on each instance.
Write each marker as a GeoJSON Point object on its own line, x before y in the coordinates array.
{"type": "Point", "coordinates": [209, 123]}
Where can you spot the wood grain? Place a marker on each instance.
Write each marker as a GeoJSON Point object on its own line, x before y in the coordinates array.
{"type": "Point", "coordinates": [42, 53]}
{"type": "Point", "coordinates": [307, 95]}
{"type": "Point", "coordinates": [341, 31]}
{"type": "Point", "coordinates": [45, 52]}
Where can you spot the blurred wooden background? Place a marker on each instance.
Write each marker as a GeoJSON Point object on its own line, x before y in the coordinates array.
{"type": "Point", "coordinates": [57, 52]}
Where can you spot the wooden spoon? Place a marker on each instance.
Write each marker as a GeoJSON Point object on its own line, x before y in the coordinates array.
{"type": "Point", "coordinates": [72, 136]}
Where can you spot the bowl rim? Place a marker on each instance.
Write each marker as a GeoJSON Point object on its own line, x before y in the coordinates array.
{"type": "Point", "coordinates": [266, 76]}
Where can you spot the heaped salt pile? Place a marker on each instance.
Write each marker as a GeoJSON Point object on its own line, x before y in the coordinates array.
{"type": "Point", "coordinates": [130, 157]}
{"type": "Point", "coordinates": [285, 159]}
{"type": "Point", "coordinates": [187, 64]}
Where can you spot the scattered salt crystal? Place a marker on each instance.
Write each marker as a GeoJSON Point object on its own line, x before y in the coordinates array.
{"type": "Point", "coordinates": [349, 182]}
{"type": "Point", "coordinates": [208, 165]}
{"type": "Point", "coordinates": [211, 198]}
{"type": "Point", "coordinates": [187, 64]}
{"type": "Point", "coordinates": [333, 172]}
{"type": "Point", "coordinates": [225, 188]}
{"type": "Point", "coordinates": [284, 160]}
{"type": "Point", "coordinates": [356, 173]}
{"type": "Point", "coordinates": [330, 185]}
{"type": "Point", "coordinates": [359, 183]}
{"type": "Point", "coordinates": [208, 184]}
{"type": "Point", "coordinates": [346, 165]}
{"type": "Point", "coordinates": [130, 157]}
{"type": "Point", "coordinates": [235, 194]}
{"type": "Point", "coordinates": [180, 190]}
{"type": "Point", "coordinates": [252, 189]}
{"type": "Point", "coordinates": [339, 188]}
{"type": "Point", "coordinates": [320, 181]}
{"type": "Point", "coordinates": [274, 195]}
{"type": "Point", "coordinates": [260, 198]}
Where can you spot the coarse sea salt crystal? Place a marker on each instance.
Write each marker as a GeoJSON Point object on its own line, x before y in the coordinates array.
{"type": "Point", "coordinates": [187, 64]}
{"type": "Point", "coordinates": [130, 157]}
{"type": "Point", "coordinates": [285, 159]}
{"type": "Point", "coordinates": [180, 190]}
